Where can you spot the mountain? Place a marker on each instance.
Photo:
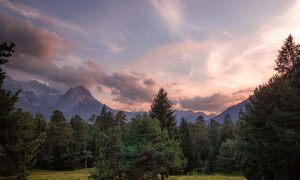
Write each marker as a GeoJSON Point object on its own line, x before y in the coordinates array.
{"type": "Point", "coordinates": [34, 97]}
{"type": "Point", "coordinates": [39, 97]}
{"type": "Point", "coordinates": [233, 111]}
{"type": "Point", "coordinates": [80, 101]}
{"type": "Point", "coordinates": [191, 116]}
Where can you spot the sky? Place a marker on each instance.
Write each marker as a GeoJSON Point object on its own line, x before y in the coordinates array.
{"type": "Point", "coordinates": [207, 54]}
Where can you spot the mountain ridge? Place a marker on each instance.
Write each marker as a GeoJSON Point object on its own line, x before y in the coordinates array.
{"type": "Point", "coordinates": [38, 97]}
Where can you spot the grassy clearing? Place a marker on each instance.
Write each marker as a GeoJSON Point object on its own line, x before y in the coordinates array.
{"type": "Point", "coordinates": [84, 174]}
{"type": "Point", "coordinates": [207, 177]}
{"type": "Point", "coordinates": [59, 175]}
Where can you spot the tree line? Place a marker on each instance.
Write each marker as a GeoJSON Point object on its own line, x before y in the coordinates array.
{"type": "Point", "coordinates": [263, 144]}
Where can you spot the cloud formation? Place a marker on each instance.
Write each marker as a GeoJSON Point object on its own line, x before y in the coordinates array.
{"type": "Point", "coordinates": [214, 103]}
{"type": "Point", "coordinates": [171, 13]}
{"type": "Point", "coordinates": [32, 13]}
{"type": "Point", "coordinates": [38, 52]}
{"type": "Point", "coordinates": [32, 41]}
{"type": "Point", "coordinates": [129, 89]}
{"type": "Point", "coordinates": [202, 52]}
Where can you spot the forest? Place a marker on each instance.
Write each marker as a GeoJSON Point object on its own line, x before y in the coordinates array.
{"type": "Point", "coordinates": [263, 144]}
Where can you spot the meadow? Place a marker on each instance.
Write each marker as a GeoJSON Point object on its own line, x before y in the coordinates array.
{"type": "Point", "coordinates": [84, 174]}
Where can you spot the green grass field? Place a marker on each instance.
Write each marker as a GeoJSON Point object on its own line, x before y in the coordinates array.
{"type": "Point", "coordinates": [84, 174]}
{"type": "Point", "coordinates": [58, 175]}
{"type": "Point", "coordinates": [207, 177]}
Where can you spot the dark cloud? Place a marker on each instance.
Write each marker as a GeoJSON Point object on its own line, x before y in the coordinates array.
{"type": "Point", "coordinates": [38, 49]}
{"type": "Point", "coordinates": [31, 40]}
{"type": "Point", "coordinates": [149, 82]}
{"type": "Point", "coordinates": [214, 103]}
{"type": "Point", "coordinates": [128, 88]}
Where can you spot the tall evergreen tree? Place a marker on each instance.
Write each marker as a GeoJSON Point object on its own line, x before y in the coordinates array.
{"type": "Point", "coordinates": [7, 130]}
{"type": "Point", "coordinates": [28, 142]}
{"type": "Point", "coordinates": [227, 129]}
{"type": "Point", "coordinates": [215, 141]}
{"type": "Point", "coordinates": [103, 166]}
{"type": "Point", "coordinates": [149, 151]}
{"type": "Point", "coordinates": [162, 110]}
{"type": "Point", "coordinates": [200, 146]}
{"type": "Point", "coordinates": [58, 143]}
{"type": "Point", "coordinates": [105, 120]}
{"type": "Point", "coordinates": [186, 144]}
{"type": "Point", "coordinates": [287, 57]}
{"type": "Point", "coordinates": [120, 121]}
{"type": "Point", "coordinates": [109, 142]}
{"type": "Point", "coordinates": [80, 136]}
{"type": "Point", "coordinates": [270, 128]}
{"type": "Point", "coordinates": [40, 124]}
{"type": "Point", "coordinates": [214, 134]}
{"type": "Point", "coordinates": [228, 159]}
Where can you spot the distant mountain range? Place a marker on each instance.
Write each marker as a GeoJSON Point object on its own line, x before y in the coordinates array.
{"type": "Point", "coordinates": [38, 97]}
{"type": "Point", "coordinates": [233, 111]}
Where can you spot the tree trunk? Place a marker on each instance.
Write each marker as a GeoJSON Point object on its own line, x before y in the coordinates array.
{"type": "Point", "coordinates": [85, 162]}
{"type": "Point", "coordinates": [162, 177]}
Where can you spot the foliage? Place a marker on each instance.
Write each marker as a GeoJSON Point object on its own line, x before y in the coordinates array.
{"type": "Point", "coordinates": [270, 129]}
{"type": "Point", "coordinates": [287, 58]}
{"type": "Point", "coordinates": [162, 110]}
{"type": "Point", "coordinates": [148, 150]}
{"type": "Point", "coordinates": [108, 137]}
{"type": "Point", "coordinates": [58, 153]}
{"type": "Point", "coordinates": [80, 136]}
{"type": "Point", "coordinates": [186, 144]}
{"type": "Point", "coordinates": [201, 146]}
{"type": "Point", "coordinates": [28, 144]}
{"type": "Point", "coordinates": [227, 129]}
{"type": "Point", "coordinates": [103, 169]}
{"type": "Point", "coordinates": [7, 132]}
{"type": "Point", "coordinates": [84, 173]}
{"type": "Point", "coordinates": [228, 157]}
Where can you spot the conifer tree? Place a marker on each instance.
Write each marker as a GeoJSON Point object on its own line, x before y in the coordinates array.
{"type": "Point", "coordinates": [58, 142]}
{"type": "Point", "coordinates": [7, 103]}
{"type": "Point", "coordinates": [105, 120]}
{"type": "Point", "coordinates": [214, 137]}
{"type": "Point", "coordinates": [269, 129]}
{"type": "Point", "coordinates": [80, 136]}
{"type": "Point", "coordinates": [287, 57]}
{"type": "Point", "coordinates": [227, 129]}
{"type": "Point", "coordinates": [200, 146]}
{"type": "Point", "coordinates": [162, 110]}
{"type": "Point", "coordinates": [149, 151]}
{"type": "Point", "coordinates": [28, 142]}
{"type": "Point", "coordinates": [186, 144]}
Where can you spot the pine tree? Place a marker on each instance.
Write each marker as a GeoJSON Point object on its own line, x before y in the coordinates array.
{"type": "Point", "coordinates": [40, 124]}
{"type": "Point", "coordinates": [105, 120]}
{"type": "Point", "coordinates": [28, 144]}
{"type": "Point", "coordinates": [80, 136]}
{"type": "Point", "coordinates": [227, 160]}
{"type": "Point", "coordinates": [162, 110]}
{"type": "Point", "coordinates": [58, 143]}
{"type": "Point", "coordinates": [270, 128]}
{"type": "Point", "coordinates": [149, 151]}
{"type": "Point", "coordinates": [214, 137]}
{"type": "Point", "coordinates": [109, 135]}
{"type": "Point", "coordinates": [186, 144]}
{"type": "Point", "coordinates": [200, 146]}
{"type": "Point", "coordinates": [7, 103]}
{"type": "Point", "coordinates": [103, 167]}
{"type": "Point", "coordinates": [227, 129]}
{"type": "Point", "coordinates": [120, 121]}
{"type": "Point", "coordinates": [287, 57]}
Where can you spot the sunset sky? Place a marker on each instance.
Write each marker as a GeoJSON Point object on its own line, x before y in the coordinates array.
{"type": "Point", "coordinates": [207, 54]}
